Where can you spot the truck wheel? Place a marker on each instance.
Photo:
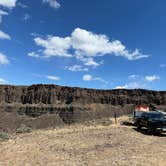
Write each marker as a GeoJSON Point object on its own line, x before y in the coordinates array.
{"type": "Point", "coordinates": [150, 130]}
{"type": "Point", "coordinates": [138, 126]}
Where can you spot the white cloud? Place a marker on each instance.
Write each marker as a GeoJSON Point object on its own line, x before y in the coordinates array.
{"type": "Point", "coordinates": [3, 59]}
{"type": "Point", "coordinates": [2, 13]}
{"type": "Point", "coordinates": [54, 78]}
{"type": "Point", "coordinates": [34, 34]}
{"type": "Point", "coordinates": [132, 85]}
{"type": "Point", "coordinates": [8, 3]}
{"type": "Point", "coordinates": [88, 61]}
{"type": "Point", "coordinates": [100, 79]}
{"type": "Point", "coordinates": [5, 4]}
{"type": "Point", "coordinates": [152, 78]}
{"type": "Point", "coordinates": [33, 54]}
{"type": "Point", "coordinates": [139, 82]}
{"type": "Point", "coordinates": [76, 68]}
{"type": "Point", "coordinates": [88, 77]}
{"type": "Point", "coordinates": [53, 3]}
{"type": "Point", "coordinates": [54, 46]}
{"type": "Point", "coordinates": [50, 77]}
{"type": "Point", "coordinates": [133, 76]}
{"type": "Point", "coordinates": [86, 46]}
{"type": "Point", "coordinates": [4, 35]}
{"type": "Point", "coordinates": [91, 44]}
{"type": "Point", "coordinates": [2, 81]}
{"type": "Point", "coordinates": [121, 87]}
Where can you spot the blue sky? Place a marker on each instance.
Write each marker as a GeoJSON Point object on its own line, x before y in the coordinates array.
{"type": "Point", "coordinates": [95, 44]}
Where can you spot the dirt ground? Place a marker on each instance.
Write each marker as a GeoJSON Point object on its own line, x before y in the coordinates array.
{"type": "Point", "coordinates": [80, 145]}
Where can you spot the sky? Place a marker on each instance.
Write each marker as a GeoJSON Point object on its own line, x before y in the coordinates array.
{"type": "Point", "coordinates": [108, 44]}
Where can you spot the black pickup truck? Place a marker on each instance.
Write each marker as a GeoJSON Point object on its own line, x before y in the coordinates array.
{"type": "Point", "coordinates": [153, 121]}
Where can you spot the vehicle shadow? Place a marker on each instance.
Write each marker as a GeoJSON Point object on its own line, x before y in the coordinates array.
{"type": "Point", "coordinates": [127, 123]}
{"type": "Point", "coordinates": [144, 132]}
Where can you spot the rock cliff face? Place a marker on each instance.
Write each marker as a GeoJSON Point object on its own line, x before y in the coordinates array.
{"type": "Point", "coordinates": [53, 94]}
{"type": "Point", "coordinates": [41, 106]}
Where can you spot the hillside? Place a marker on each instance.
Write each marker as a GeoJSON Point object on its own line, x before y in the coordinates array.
{"type": "Point", "coordinates": [42, 106]}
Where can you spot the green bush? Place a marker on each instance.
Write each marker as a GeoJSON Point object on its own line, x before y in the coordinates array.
{"type": "Point", "coordinates": [23, 129]}
{"type": "Point", "coordinates": [4, 136]}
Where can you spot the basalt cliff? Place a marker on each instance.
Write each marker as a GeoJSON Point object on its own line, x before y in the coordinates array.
{"type": "Point", "coordinates": [42, 106]}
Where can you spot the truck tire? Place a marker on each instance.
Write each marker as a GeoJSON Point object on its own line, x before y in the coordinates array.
{"type": "Point", "coordinates": [150, 129]}
{"type": "Point", "coordinates": [138, 126]}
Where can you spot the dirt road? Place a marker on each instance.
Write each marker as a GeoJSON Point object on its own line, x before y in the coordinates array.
{"type": "Point", "coordinates": [84, 145]}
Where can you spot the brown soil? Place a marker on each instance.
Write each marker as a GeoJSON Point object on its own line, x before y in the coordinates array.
{"type": "Point", "coordinates": [79, 145]}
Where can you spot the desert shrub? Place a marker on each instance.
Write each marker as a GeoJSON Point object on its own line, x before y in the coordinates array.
{"type": "Point", "coordinates": [23, 129]}
{"type": "Point", "coordinates": [4, 136]}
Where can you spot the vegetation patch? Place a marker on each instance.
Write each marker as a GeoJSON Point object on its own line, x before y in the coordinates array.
{"type": "Point", "coordinates": [23, 129]}
{"type": "Point", "coordinates": [103, 122]}
{"type": "Point", "coordinates": [4, 136]}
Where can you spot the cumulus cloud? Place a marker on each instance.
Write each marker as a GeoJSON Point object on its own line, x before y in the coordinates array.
{"type": "Point", "coordinates": [86, 46]}
{"type": "Point", "coordinates": [8, 3]}
{"type": "Point", "coordinates": [53, 78]}
{"type": "Point", "coordinates": [88, 43]}
{"type": "Point", "coordinates": [152, 78]}
{"type": "Point", "coordinates": [54, 46]}
{"type": "Point", "coordinates": [88, 77]}
{"type": "Point", "coordinates": [76, 68]}
{"type": "Point", "coordinates": [3, 59]}
{"type": "Point", "coordinates": [53, 3]}
{"type": "Point", "coordinates": [4, 35]}
{"type": "Point", "coordinates": [2, 81]}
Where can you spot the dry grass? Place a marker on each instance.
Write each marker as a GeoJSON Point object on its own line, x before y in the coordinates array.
{"type": "Point", "coordinates": [80, 145]}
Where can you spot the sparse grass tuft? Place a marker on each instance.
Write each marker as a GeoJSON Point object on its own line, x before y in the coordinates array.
{"type": "Point", "coordinates": [4, 136]}
{"type": "Point", "coordinates": [23, 129]}
{"type": "Point", "coordinates": [103, 122]}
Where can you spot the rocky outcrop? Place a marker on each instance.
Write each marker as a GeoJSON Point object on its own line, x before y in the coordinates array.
{"type": "Point", "coordinates": [53, 94]}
